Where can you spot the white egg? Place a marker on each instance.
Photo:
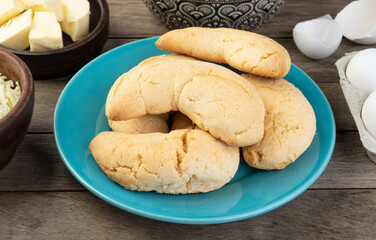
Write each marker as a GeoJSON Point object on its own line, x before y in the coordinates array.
{"type": "Point", "coordinates": [361, 70]}
{"type": "Point", "coordinates": [317, 38]}
{"type": "Point", "coordinates": [358, 21]}
{"type": "Point", "coordinates": [369, 114]}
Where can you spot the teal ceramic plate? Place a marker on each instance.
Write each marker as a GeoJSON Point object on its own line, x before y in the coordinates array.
{"type": "Point", "coordinates": [79, 117]}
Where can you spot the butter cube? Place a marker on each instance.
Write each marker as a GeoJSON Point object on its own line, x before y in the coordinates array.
{"type": "Point", "coordinates": [9, 9]}
{"type": "Point", "coordinates": [15, 33]}
{"type": "Point", "coordinates": [54, 6]}
{"type": "Point", "coordinates": [45, 33]}
{"type": "Point", "coordinates": [76, 18]}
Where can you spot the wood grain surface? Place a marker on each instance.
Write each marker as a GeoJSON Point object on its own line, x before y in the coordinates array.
{"type": "Point", "coordinates": [316, 214]}
{"type": "Point", "coordinates": [40, 199]}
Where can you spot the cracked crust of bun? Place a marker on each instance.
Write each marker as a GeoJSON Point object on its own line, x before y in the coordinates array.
{"type": "Point", "coordinates": [290, 125]}
{"type": "Point", "coordinates": [245, 51]}
{"type": "Point", "coordinates": [145, 124]}
{"type": "Point", "coordinates": [173, 163]}
{"type": "Point", "coordinates": [215, 98]}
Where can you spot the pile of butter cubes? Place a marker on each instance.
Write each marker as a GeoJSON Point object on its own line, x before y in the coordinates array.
{"type": "Point", "coordinates": [39, 23]}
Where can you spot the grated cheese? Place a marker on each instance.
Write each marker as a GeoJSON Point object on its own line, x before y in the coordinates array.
{"type": "Point", "coordinates": [9, 95]}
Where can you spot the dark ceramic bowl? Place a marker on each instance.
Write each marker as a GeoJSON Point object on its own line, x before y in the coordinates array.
{"type": "Point", "coordinates": [239, 14]}
{"type": "Point", "coordinates": [54, 63]}
{"type": "Point", "coordinates": [14, 125]}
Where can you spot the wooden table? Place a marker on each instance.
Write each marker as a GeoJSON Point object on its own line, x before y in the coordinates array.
{"type": "Point", "coordinates": [39, 198]}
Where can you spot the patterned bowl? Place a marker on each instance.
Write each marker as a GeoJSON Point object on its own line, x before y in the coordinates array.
{"type": "Point", "coordinates": [240, 14]}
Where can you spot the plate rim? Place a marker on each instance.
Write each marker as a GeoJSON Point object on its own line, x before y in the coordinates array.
{"type": "Point", "coordinates": [287, 197]}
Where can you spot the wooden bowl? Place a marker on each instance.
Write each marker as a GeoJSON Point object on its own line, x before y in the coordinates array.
{"type": "Point", "coordinates": [14, 125]}
{"type": "Point", "coordinates": [54, 63]}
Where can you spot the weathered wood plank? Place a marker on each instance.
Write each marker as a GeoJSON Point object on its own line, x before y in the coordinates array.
{"type": "Point", "coordinates": [46, 96]}
{"type": "Point", "coordinates": [316, 214]}
{"type": "Point", "coordinates": [37, 167]}
{"type": "Point", "coordinates": [131, 18]}
{"type": "Point", "coordinates": [343, 118]}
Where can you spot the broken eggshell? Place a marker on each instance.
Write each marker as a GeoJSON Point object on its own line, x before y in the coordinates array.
{"type": "Point", "coordinates": [358, 21]}
{"type": "Point", "coordinates": [318, 38]}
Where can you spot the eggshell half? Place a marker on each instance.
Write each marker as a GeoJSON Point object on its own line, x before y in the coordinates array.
{"type": "Point", "coordinates": [358, 21]}
{"type": "Point", "coordinates": [318, 38]}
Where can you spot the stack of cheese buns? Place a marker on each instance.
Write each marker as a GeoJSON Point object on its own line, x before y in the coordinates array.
{"type": "Point", "coordinates": [214, 111]}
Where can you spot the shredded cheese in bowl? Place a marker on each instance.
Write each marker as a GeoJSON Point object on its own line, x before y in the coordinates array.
{"type": "Point", "coordinates": [9, 95]}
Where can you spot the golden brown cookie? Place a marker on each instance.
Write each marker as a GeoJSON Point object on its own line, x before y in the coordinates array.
{"type": "Point", "coordinates": [145, 124]}
{"type": "Point", "coordinates": [290, 125]}
{"type": "Point", "coordinates": [216, 99]}
{"type": "Point", "coordinates": [170, 163]}
{"type": "Point", "coordinates": [245, 51]}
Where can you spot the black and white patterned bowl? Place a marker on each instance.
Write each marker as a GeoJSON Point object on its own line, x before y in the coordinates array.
{"type": "Point", "coordinates": [240, 14]}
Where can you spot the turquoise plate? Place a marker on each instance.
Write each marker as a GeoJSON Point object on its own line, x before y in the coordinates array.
{"type": "Point", "coordinates": [79, 117]}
